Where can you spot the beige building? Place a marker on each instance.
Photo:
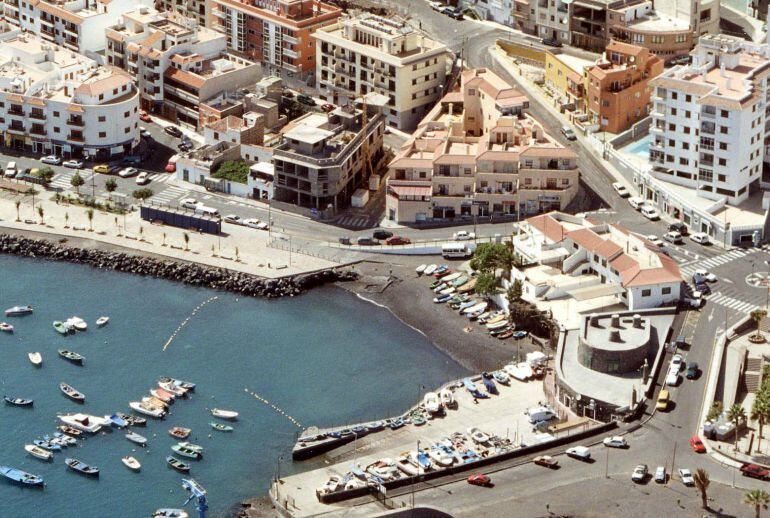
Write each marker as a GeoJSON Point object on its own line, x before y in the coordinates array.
{"type": "Point", "coordinates": [373, 54]}
{"type": "Point", "coordinates": [638, 23]}
{"type": "Point", "coordinates": [198, 10]}
{"type": "Point", "coordinates": [478, 153]}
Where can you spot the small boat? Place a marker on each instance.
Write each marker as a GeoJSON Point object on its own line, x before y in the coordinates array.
{"type": "Point", "coordinates": [404, 464]}
{"type": "Point", "coordinates": [187, 385]}
{"type": "Point", "coordinates": [47, 445]}
{"type": "Point", "coordinates": [460, 281]}
{"type": "Point", "coordinates": [164, 396]}
{"type": "Point", "coordinates": [224, 414]}
{"type": "Point", "coordinates": [432, 403]}
{"type": "Point", "coordinates": [177, 464]}
{"type": "Point", "coordinates": [21, 477]}
{"type": "Point", "coordinates": [136, 438]}
{"type": "Point", "coordinates": [179, 432]}
{"type": "Point", "coordinates": [62, 327]}
{"type": "Point", "coordinates": [489, 383]}
{"type": "Point", "coordinates": [505, 334]}
{"type": "Point", "coordinates": [170, 513]}
{"type": "Point", "coordinates": [6, 327]}
{"type": "Point", "coordinates": [477, 435]}
{"type": "Point", "coordinates": [447, 291]}
{"type": "Point", "coordinates": [35, 358]}
{"type": "Point", "coordinates": [83, 422]}
{"type": "Point", "coordinates": [396, 423]}
{"type": "Point", "coordinates": [191, 446]}
{"type": "Point", "coordinates": [442, 298]}
{"type": "Point", "coordinates": [467, 304]}
{"type": "Point", "coordinates": [116, 420]}
{"type": "Point", "coordinates": [501, 377]}
{"type": "Point", "coordinates": [441, 270]}
{"type": "Point", "coordinates": [18, 311]}
{"type": "Point", "coordinates": [500, 330]}
{"type": "Point", "coordinates": [447, 398]}
{"type": "Point", "coordinates": [468, 286]}
{"type": "Point", "coordinates": [72, 432]}
{"type": "Point", "coordinates": [38, 452]}
{"type": "Point", "coordinates": [155, 402]}
{"type": "Point", "coordinates": [132, 420]}
{"type": "Point", "coordinates": [168, 386]}
{"type": "Point", "coordinates": [78, 323]}
{"type": "Point", "coordinates": [186, 452]}
{"type": "Point", "coordinates": [131, 463]}
{"type": "Point", "coordinates": [65, 440]}
{"type": "Point", "coordinates": [101, 321]}
{"type": "Point", "coordinates": [73, 357]}
{"type": "Point", "coordinates": [147, 410]}
{"type": "Point", "coordinates": [440, 456]}
{"type": "Point", "coordinates": [72, 393]}
{"type": "Point", "coordinates": [418, 420]}
{"type": "Point", "coordinates": [420, 269]}
{"type": "Point", "coordinates": [480, 307]}
{"type": "Point", "coordinates": [452, 276]}
{"type": "Point", "coordinates": [221, 427]}
{"type": "Point", "coordinates": [430, 269]}
{"type": "Point", "coordinates": [386, 469]}
{"type": "Point", "coordinates": [82, 467]}
{"type": "Point", "coordinates": [17, 401]}
{"type": "Point", "coordinates": [498, 324]}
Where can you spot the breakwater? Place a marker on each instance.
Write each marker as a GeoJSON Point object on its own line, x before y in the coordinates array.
{"type": "Point", "coordinates": [184, 272]}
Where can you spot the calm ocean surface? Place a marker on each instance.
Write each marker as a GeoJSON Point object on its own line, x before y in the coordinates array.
{"type": "Point", "coordinates": [325, 358]}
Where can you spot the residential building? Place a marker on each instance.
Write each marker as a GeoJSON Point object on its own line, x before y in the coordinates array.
{"type": "Point", "coordinates": [78, 25]}
{"type": "Point", "coordinates": [198, 10]}
{"type": "Point", "coordinates": [323, 158]}
{"type": "Point", "coordinates": [177, 64]}
{"type": "Point", "coordinates": [708, 120]}
{"type": "Point", "coordinates": [247, 130]}
{"type": "Point", "coordinates": [702, 15]}
{"type": "Point", "coordinates": [575, 256]}
{"type": "Point", "coordinates": [500, 11]}
{"type": "Point", "coordinates": [618, 89]}
{"type": "Point", "coordinates": [54, 101]}
{"type": "Point", "coordinates": [548, 19]}
{"type": "Point", "coordinates": [373, 54]}
{"type": "Point", "coordinates": [276, 33]}
{"type": "Point", "coordinates": [637, 22]}
{"type": "Point", "coordinates": [565, 79]}
{"type": "Point", "coordinates": [478, 153]}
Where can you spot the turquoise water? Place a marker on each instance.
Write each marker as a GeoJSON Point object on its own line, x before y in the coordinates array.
{"type": "Point", "coordinates": [640, 148]}
{"type": "Point", "coordinates": [324, 358]}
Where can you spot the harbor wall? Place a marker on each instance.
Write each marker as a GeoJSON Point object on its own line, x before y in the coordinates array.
{"type": "Point", "coordinates": [187, 273]}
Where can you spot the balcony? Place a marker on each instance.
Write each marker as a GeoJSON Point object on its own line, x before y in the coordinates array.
{"type": "Point", "coordinates": [17, 111]}
{"type": "Point", "coordinates": [38, 130]}
{"type": "Point", "coordinates": [73, 121]}
{"type": "Point", "coordinates": [218, 13]}
{"type": "Point", "coordinates": [37, 115]}
{"type": "Point", "coordinates": [290, 53]}
{"type": "Point", "coordinates": [708, 115]}
{"type": "Point", "coordinates": [290, 39]}
{"type": "Point", "coordinates": [16, 128]}
{"type": "Point", "coordinates": [76, 137]}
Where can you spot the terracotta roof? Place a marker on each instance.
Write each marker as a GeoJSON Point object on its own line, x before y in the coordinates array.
{"type": "Point", "coordinates": [103, 85]}
{"type": "Point", "coordinates": [549, 226]}
{"type": "Point", "coordinates": [15, 98]}
{"type": "Point", "coordinates": [35, 101]}
{"type": "Point", "coordinates": [153, 38]}
{"type": "Point", "coordinates": [75, 108]}
{"type": "Point", "coordinates": [184, 77]}
{"type": "Point", "coordinates": [587, 239]}
{"type": "Point", "coordinates": [667, 273]}
{"type": "Point", "coordinates": [625, 48]}
{"type": "Point", "coordinates": [184, 59]}
{"type": "Point", "coordinates": [61, 13]}
{"type": "Point", "coordinates": [453, 97]}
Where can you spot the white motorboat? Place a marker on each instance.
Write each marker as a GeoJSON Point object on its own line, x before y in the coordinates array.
{"type": "Point", "coordinates": [155, 402]}
{"type": "Point", "coordinates": [526, 369]}
{"type": "Point", "coordinates": [448, 291]}
{"type": "Point", "coordinates": [439, 456]}
{"type": "Point", "coordinates": [136, 438]}
{"type": "Point", "coordinates": [404, 464]}
{"type": "Point", "coordinates": [170, 513]}
{"type": "Point", "coordinates": [447, 398]}
{"type": "Point", "coordinates": [36, 358]}
{"type": "Point", "coordinates": [430, 269]}
{"type": "Point", "coordinates": [420, 269]}
{"type": "Point", "coordinates": [501, 377]}
{"type": "Point", "coordinates": [18, 311]}
{"type": "Point", "coordinates": [515, 372]}
{"type": "Point", "coordinates": [330, 486]}
{"type": "Point", "coordinates": [386, 469]}
{"type": "Point", "coordinates": [101, 321]}
{"type": "Point", "coordinates": [477, 435]}
{"type": "Point", "coordinates": [224, 414]}
{"type": "Point", "coordinates": [498, 325]}
{"type": "Point", "coordinates": [82, 422]}
{"type": "Point", "coordinates": [131, 463]}
{"type": "Point", "coordinates": [6, 327]}
{"type": "Point", "coordinates": [38, 452]}
{"type": "Point", "coordinates": [432, 403]}
{"type": "Point", "coordinates": [173, 388]}
{"type": "Point", "coordinates": [140, 407]}
{"type": "Point", "coordinates": [480, 307]}
{"type": "Point", "coordinates": [78, 323]}
{"type": "Point", "coordinates": [452, 277]}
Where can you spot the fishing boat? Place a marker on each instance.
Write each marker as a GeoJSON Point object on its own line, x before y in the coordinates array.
{"type": "Point", "coordinates": [38, 452]}
{"type": "Point", "coordinates": [73, 357]}
{"type": "Point", "coordinates": [21, 477]}
{"type": "Point", "coordinates": [6, 327]}
{"type": "Point", "coordinates": [505, 334]}
{"type": "Point", "coordinates": [132, 420]}
{"type": "Point", "coordinates": [501, 377]}
{"type": "Point", "coordinates": [179, 432]}
{"type": "Point", "coordinates": [77, 323]}
{"type": "Point", "coordinates": [221, 427]}
{"type": "Point", "coordinates": [116, 420]}
{"type": "Point", "coordinates": [47, 445]}
{"type": "Point", "coordinates": [442, 298]}
{"type": "Point", "coordinates": [459, 281]}
{"type": "Point", "coordinates": [495, 319]}
{"type": "Point", "coordinates": [65, 440]}
{"type": "Point", "coordinates": [467, 304]}
{"type": "Point", "coordinates": [131, 463]}
{"type": "Point", "coordinates": [516, 372]}
{"type": "Point", "coordinates": [187, 385]}
{"type": "Point", "coordinates": [142, 408]}
{"type": "Point", "coordinates": [136, 438]}
{"type": "Point", "coordinates": [224, 414]}
{"type": "Point", "coordinates": [35, 358]}
{"type": "Point", "coordinates": [386, 469]}
{"type": "Point", "coordinates": [452, 276]}
{"type": "Point", "coordinates": [164, 396]}
{"type": "Point", "coordinates": [421, 459]}
{"type": "Point", "coordinates": [468, 286]}
{"type": "Point", "coordinates": [430, 269]}
{"type": "Point", "coordinates": [396, 423]}
{"type": "Point", "coordinates": [440, 456]}
{"type": "Point", "coordinates": [186, 452]}
{"type": "Point", "coordinates": [420, 269]}
{"type": "Point", "coordinates": [447, 291]}
{"type": "Point", "coordinates": [447, 398]}
{"type": "Point", "coordinates": [477, 435]}
{"type": "Point", "coordinates": [102, 321]}
{"type": "Point", "coordinates": [72, 393]}
{"type": "Point", "coordinates": [18, 311]}
{"type": "Point", "coordinates": [500, 330]}
{"type": "Point", "coordinates": [438, 272]}
{"type": "Point", "coordinates": [404, 464]}
{"type": "Point", "coordinates": [62, 327]}
{"type": "Point", "coordinates": [17, 401]}
{"type": "Point", "coordinates": [155, 402]}
{"type": "Point", "coordinates": [169, 386]}
{"type": "Point", "coordinates": [72, 432]}
{"type": "Point", "coordinates": [177, 464]}
{"type": "Point", "coordinates": [498, 324]}
{"type": "Point", "coordinates": [191, 446]}
{"type": "Point", "coordinates": [83, 422]}
{"type": "Point", "coordinates": [82, 467]}
{"type": "Point", "coordinates": [432, 403]}
{"type": "Point", "coordinates": [489, 383]}
{"type": "Point", "coordinates": [438, 286]}
{"type": "Point", "coordinates": [479, 307]}
{"type": "Point", "coordinates": [170, 513]}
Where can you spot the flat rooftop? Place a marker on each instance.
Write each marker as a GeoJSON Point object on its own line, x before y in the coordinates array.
{"type": "Point", "coordinates": [659, 23]}
{"type": "Point", "coordinates": [730, 81]}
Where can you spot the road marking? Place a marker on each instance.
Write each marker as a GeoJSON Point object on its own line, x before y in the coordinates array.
{"type": "Point", "coordinates": [711, 315]}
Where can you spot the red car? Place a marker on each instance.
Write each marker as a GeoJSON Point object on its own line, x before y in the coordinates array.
{"type": "Point", "coordinates": [144, 116]}
{"type": "Point", "coordinates": [327, 107]}
{"type": "Point", "coordinates": [697, 445]}
{"type": "Point", "coordinates": [754, 471]}
{"type": "Point", "coordinates": [170, 167]}
{"type": "Point", "coordinates": [398, 240]}
{"type": "Point", "coordinates": [479, 479]}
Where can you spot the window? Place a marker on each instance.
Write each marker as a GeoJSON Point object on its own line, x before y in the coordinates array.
{"type": "Point", "coordinates": [722, 162]}
{"type": "Point", "coordinates": [102, 134]}
{"type": "Point", "coordinates": [666, 291]}
{"type": "Point", "coordinates": [688, 98]}
{"type": "Point", "coordinates": [646, 293]}
{"type": "Point", "coordinates": [471, 91]}
{"type": "Point", "coordinates": [127, 129]}
{"type": "Point", "coordinates": [126, 114]}
{"type": "Point", "coordinates": [102, 118]}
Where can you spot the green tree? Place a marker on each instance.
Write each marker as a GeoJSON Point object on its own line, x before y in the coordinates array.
{"type": "Point", "coordinates": [41, 213]}
{"type": "Point", "coordinates": [17, 203]}
{"type": "Point", "coordinates": [186, 240]}
{"type": "Point", "coordinates": [757, 315]}
{"type": "Point", "coordinates": [90, 215]}
{"type": "Point", "coordinates": [486, 284]}
{"type": "Point", "coordinates": [235, 171]}
{"type": "Point", "coordinates": [489, 256]}
{"type": "Point", "coordinates": [46, 174]}
{"type": "Point", "coordinates": [715, 411]}
{"type": "Point", "coordinates": [143, 193]}
{"type": "Point", "coordinates": [77, 181]}
{"type": "Point", "coordinates": [702, 482]}
{"type": "Point", "coordinates": [760, 410]}
{"type": "Point", "coordinates": [736, 414]}
{"type": "Point", "coordinates": [111, 185]}
{"type": "Point", "coordinates": [758, 498]}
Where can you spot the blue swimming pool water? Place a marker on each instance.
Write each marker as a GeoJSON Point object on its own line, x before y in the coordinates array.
{"type": "Point", "coordinates": [640, 148]}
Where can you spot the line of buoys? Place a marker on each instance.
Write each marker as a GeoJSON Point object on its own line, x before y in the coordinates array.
{"type": "Point", "coordinates": [277, 409]}
{"type": "Point", "coordinates": [184, 322]}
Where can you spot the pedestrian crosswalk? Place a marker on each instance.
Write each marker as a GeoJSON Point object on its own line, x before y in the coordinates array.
{"type": "Point", "coordinates": [713, 262]}
{"type": "Point", "coordinates": [732, 303]}
{"type": "Point", "coordinates": [169, 194]}
{"type": "Point", "coordinates": [63, 180]}
{"type": "Point", "coordinates": [354, 221]}
{"type": "Point", "coordinates": [160, 177]}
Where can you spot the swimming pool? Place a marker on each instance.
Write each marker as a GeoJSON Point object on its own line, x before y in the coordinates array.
{"type": "Point", "coordinates": [639, 148]}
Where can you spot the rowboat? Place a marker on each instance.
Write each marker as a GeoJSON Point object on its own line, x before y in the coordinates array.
{"type": "Point", "coordinates": [170, 513]}
{"type": "Point", "coordinates": [21, 477]}
{"type": "Point", "coordinates": [132, 420]}
{"type": "Point", "coordinates": [179, 432]}
{"type": "Point", "coordinates": [161, 394]}
{"type": "Point", "coordinates": [116, 420]}
{"type": "Point", "coordinates": [142, 408]}
{"type": "Point", "coordinates": [38, 452]}
{"type": "Point", "coordinates": [74, 432]}
{"type": "Point", "coordinates": [6, 327]}
{"type": "Point", "coordinates": [187, 385]}
{"type": "Point", "coordinates": [481, 306]}
{"type": "Point", "coordinates": [72, 393]}
{"type": "Point", "coordinates": [131, 463]}
{"type": "Point", "coordinates": [468, 286]}
{"type": "Point", "coordinates": [177, 464]}
{"type": "Point", "coordinates": [17, 401]}
{"type": "Point", "coordinates": [505, 334]}
{"type": "Point", "coordinates": [224, 414]}
{"type": "Point", "coordinates": [82, 467]}
{"type": "Point", "coordinates": [136, 438]}
{"type": "Point", "coordinates": [191, 446]}
{"type": "Point", "coordinates": [186, 452]}
{"type": "Point", "coordinates": [18, 311]}
{"type": "Point", "coordinates": [497, 324]}
{"type": "Point", "coordinates": [36, 358]}
{"type": "Point", "coordinates": [71, 356]}
{"type": "Point", "coordinates": [420, 269]}
{"type": "Point", "coordinates": [430, 269]}
{"type": "Point", "coordinates": [221, 427]}
{"type": "Point", "coordinates": [64, 440]}
{"type": "Point", "coordinates": [62, 327]}
{"type": "Point", "coordinates": [459, 281]}
{"type": "Point", "coordinates": [47, 445]}
{"type": "Point", "coordinates": [101, 321]}
{"type": "Point", "coordinates": [447, 291]}
{"type": "Point", "coordinates": [452, 276]}
{"type": "Point", "coordinates": [500, 330]}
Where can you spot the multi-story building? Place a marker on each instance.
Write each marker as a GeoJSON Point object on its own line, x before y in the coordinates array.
{"type": "Point", "coordinates": [500, 11]}
{"type": "Point", "coordinates": [637, 22]}
{"type": "Point", "coordinates": [323, 158]}
{"type": "Point", "coordinates": [477, 153]}
{"type": "Point", "coordinates": [618, 89]}
{"type": "Point", "coordinates": [78, 25]}
{"type": "Point", "coordinates": [55, 101]}
{"type": "Point", "coordinates": [565, 79]}
{"type": "Point", "coordinates": [702, 15]}
{"type": "Point", "coordinates": [709, 119]}
{"type": "Point", "coordinates": [277, 33]}
{"type": "Point", "coordinates": [177, 64]}
{"type": "Point", "coordinates": [198, 10]}
{"type": "Point", "coordinates": [369, 53]}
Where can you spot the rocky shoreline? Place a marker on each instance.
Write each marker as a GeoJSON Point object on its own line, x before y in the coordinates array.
{"type": "Point", "coordinates": [184, 272]}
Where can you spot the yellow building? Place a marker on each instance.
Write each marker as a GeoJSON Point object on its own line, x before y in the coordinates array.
{"type": "Point", "coordinates": [565, 78]}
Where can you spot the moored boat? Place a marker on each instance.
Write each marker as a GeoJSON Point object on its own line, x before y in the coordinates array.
{"type": "Point", "coordinates": [497, 324]}
{"type": "Point", "coordinates": [177, 464]}
{"type": "Point", "coordinates": [184, 451]}
{"type": "Point", "coordinates": [116, 420]}
{"type": "Point", "coordinates": [430, 269]}
{"type": "Point", "coordinates": [17, 401]}
{"type": "Point", "coordinates": [101, 321]}
{"type": "Point", "coordinates": [132, 420]}
{"type": "Point", "coordinates": [83, 422]}
{"type": "Point", "coordinates": [179, 432]}
{"type": "Point", "coordinates": [72, 432]}
{"type": "Point", "coordinates": [77, 323]}
{"type": "Point", "coordinates": [71, 356]}
{"type": "Point", "coordinates": [136, 438]}
{"type": "Point", "coordinates": [155, 402]}
{"type": "Point", "coordinates": [187, 385]}
{"type": "Point", "coordinates": [501, 377]}
{"type": "Point", "coordinates": [82, 467]}
{"type": "Point", "coordinates": [170, 513]}
{"type": "Point", "coordinates": [452, 276]}
{"type": "Point", "coordinates": [221, 427]}
{"type": "Point", "coordinates": [164, 396]}
{"type": "Point", "coordinates": [468, 286]}
{"type": "Point", "coordinates": [131, 463]}
{"type": "Point", "coordinates": [62, 327]}
{"type": "Point", "coordinates": [21, 477]}
{"type": "Point", "coordinates": [145, 409]}
{"type": "Point", "coordinates": [38, 452]}
{"type": "Point", "coordinates": [35, 358]}
{"type": "Point", "coordinates": [6, 327]}
{"type": "Point", "coordinates": [431, 402]}
{"type": "Point", "coordinates": [18, 311]}
{"type": "Point", "coordinates": [191, 446]}
{"type": "Point", "coordinates": [447, 398]}
{"type": "Point", "coordinates": [47, 445]}
{"type": "Point", "coordinates": [72, 393]}
{"type": "Point", "coordinates": [169, 386]}
{"type": "Point", "coordinates": [420, 269]}
{"type": "Point", "coordinates": [224, 414]}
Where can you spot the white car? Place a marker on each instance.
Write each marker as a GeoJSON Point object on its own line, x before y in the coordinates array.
{"type": "Point", "coordinates": [615, 442]}
{"type": "Point", "coordinates": [232, 218]}
{"type": "Point", "coordinates": [640, 473]}
{"type": "Point", "coordinates": [660, 475]}
{"type": "Point", "coordinates": [579, 452]}
{"type": "Point", "coordinates": [706, 275]}
{"type": "Point", "coordinates": [143, 178]}
{"type": "Point", "coordinates": [700, 238]}
{"type": "Point", "coordinates": [677, 362]}
{"type": "Point", "coordinates": [255, 223]}
{"type": "Point", "coordinates": [51, 160]}
{"type": "Point", "coordinates": [655, 240]}
{"type": "Point", "coordinates": [128, 172]}
{"type": "Point", "coordinates": [649, 213]}
{"type": "Point", "coordinates": [463, 235]}
{"type": "Point", "coordinates": [636, 202]}
{"type": "Point", "coordinates": [73, 164]}
{"type": "Point", "coordinates": [672, 379]}
{"type": "Point", "coordinates": [685, 475]}
{"type": "Point", "coordinates": [189, 203]}
{"type": "Point", "coordinates": [621, 190]}
{"type": "Point", "coordinates": [436, 6]}
{"type": "Point", "coordinates": [673, 237]}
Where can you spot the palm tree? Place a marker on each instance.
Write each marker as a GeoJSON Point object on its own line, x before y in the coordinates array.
{"type": "Point", "coordinates": [702, 482]}
{"type": "Point", "coordinates": [760, 412]}
{"type": "Point", "coordinates": [18, 204]}
{"type": "Point", "coordinates": [41, 213]}
{"type": "Point", "coordinates": [758, 498]}
{"type": "Point", "coordinates": [736, 414]}
{"type": "Point", "coordinates": [90, 214]}
{"type": "Point", "coordinates": [186, 240]}
{"type": "Point", "coordinates": [757, 315]}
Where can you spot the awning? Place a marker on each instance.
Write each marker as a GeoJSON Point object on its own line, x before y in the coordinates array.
{"type": "Point", "coordinates": [409, 190]}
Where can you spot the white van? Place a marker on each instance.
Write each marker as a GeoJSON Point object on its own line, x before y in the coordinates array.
{"type": "Point", "coordinates": [455, 250]}
{"type": "Point", "coordinates": [540, 414]}
{"type": "Point", "coordinates": [636, 202]}
{"type": "Point", "coordinates": [10, 170]}
{"type": "Point", "coordinates": [206, 211]}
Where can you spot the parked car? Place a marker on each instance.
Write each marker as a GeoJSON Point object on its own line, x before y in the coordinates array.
{"type": "Point", "coordinates": [663, 399]}
{"type": "Point", "coordinates": [436, 6]}
{"type": "Point", "coordinates": [453, 12]}
{"type": "Point", "coordinates": [649, 213]}
{"type": "Point", "coordinates": [132, 160]}
{"type": "Point", "coordinates": [232, 218]}
{"type": "Point", "coordinates": [697, 445]}
{"type": "Point", "coordinates": [640, 473]}
{"type": "Point", "coordinates": [327, 107]}
{"type": "Point", "coordinates": [677, 362]}
{"type": "Point", "coordinates": [547, 461]}
{"type": "Point", "coordinates": [344, 240]}
{"type": "Point", "coordinates": [636, 202]}
{"type": "Point", "coordinates": [660, 475]}
{"type": "Point", "coordinates": [185, 146]}
{"type": "Point", "coordinates": [10, 170]}
{"type": "Point", "coordinates": [189, 203]}
{"type": "Point", "coordinates": [382, 234]}
{"type": "Point", "coordinates": [479, 479]}
{"type": "Point", "coordinates": [621, 190]}
{"type": "Point", "coordinates": [143, 178]}
{"type": "Point", "coordinates": [704, 288]}
{"type": "Point", "coordinates": [672, 378]}
{"type": "Point", "coordinates": [705, 275]}
{"type": "Point", "coordinates": [306, 100]}
{"type": "Point", "coordinates": [287, 93]}
{"type": "Point", "coordinates": [255, 223]}
{"type": "Point", "coordinates": [144, 116]}
{"type": "Point", "coordinates": [678, 227]}
{"type": "Point", "coordinates": [579, 452]}
{"type": "Point", "coordinates": [173, 131]}
{"type": "Point", "coordinates": [463, 235]}
{"type": "Point", "coordinates": [102, 168]}
{"type": "Point", "coordinates": [398, 240]}
{"type": "Point", "coordinates": [754, 471]}
{"type": "Point", "coordinates": [692, 371]}
{"type": "Point", "coordinates": [128, 172]}
{"type": "Point", "coordinates": [655, 240]}
{"type": "Point", "coordinates": [551, 42]}
{"type": "Point", "coordinates": [73, 164]}
{"type": "Point", "coordinates": [367, 241]}
{"type": "Point", "coordinates": [144, 133]}
{"type": "Point", "coordinates": [615, 442]}
{"type": "Point", "coordinates": [700, 238]}
{"type": "Point", "coordinates": [51, 160]}
{"type": "Point", "coordinates": [673, 237]}
{"type": "Point", "coordinates": [685, 475]}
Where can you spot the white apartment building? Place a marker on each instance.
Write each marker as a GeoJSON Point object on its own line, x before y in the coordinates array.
{"type": "Point", "coordinates": [709, 119]}
{"type": "Point", "coordinates": [78, 25]}
{"type": "Point", "coordinates": [373, 54]}
{"type": "Point", "coordinates": [500, 11]}
{"type": "Point", "coordinates": [55, 101]}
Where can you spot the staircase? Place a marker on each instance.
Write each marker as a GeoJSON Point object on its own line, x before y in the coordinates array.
{"type": "Point", "coordinates": [752, 375]}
